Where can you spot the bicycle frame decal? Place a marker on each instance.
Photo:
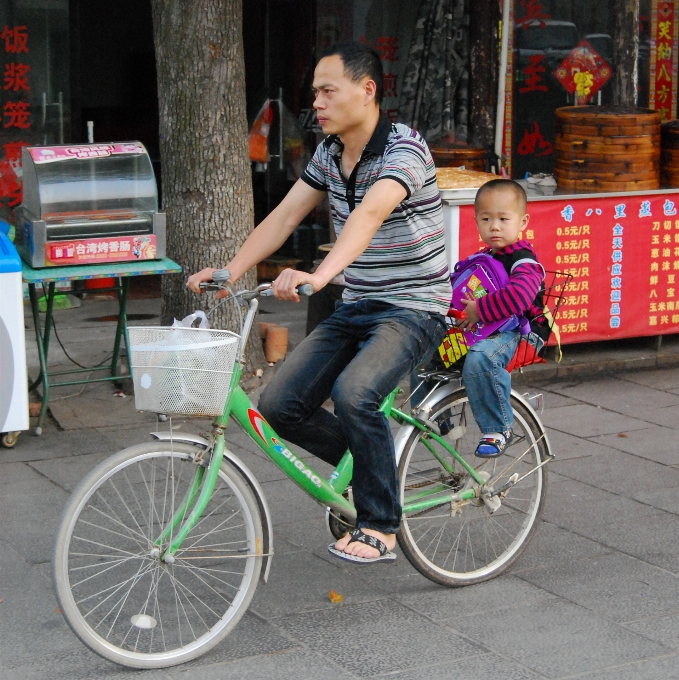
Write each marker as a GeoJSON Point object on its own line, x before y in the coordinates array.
{"type": "Point", "coordinates": [317, 487]}
{"type": "Point", "coordinates": [284, 451]}
{"type": "Point", "coordinates": [256, 420]}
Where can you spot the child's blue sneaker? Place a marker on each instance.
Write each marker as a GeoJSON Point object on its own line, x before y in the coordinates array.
{"type": "Point", "coordinates": [494, 444]}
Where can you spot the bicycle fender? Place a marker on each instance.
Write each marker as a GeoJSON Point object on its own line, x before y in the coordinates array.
{"type": "Point", "coordinates": [526, 403]}
{"type": "Point", "coordinates": [267, 524]}
{"type": "Point", "coordinates": [184, 438]}
{"type": "Point", "coordinates": [404, 432]}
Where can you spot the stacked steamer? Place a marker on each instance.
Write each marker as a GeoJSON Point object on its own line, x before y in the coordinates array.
{"type": "Point", "coordinates": [669, 163]}
{"type": "Point", "coordinates": [457, 155]}
{"type": "Point", "coordinates": [607, 148]}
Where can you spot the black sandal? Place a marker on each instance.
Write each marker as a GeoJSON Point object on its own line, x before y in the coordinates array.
{"type": "Point", "coordinates": [358, 536]}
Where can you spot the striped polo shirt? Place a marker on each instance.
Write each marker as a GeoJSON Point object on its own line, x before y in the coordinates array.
{"type": "Point", "coordinates": [405, 263]}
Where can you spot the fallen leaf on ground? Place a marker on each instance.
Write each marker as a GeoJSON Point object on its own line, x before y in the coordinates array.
{"type": "Point", "coordinates": [335, 597]}
{"type": "Point", "coordinates": [622, 434]}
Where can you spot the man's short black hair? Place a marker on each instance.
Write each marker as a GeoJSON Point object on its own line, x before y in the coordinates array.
{"type": "Point", "coordinates": [360, 61]}
{"type": "Point", "coordinates": [506, 184]}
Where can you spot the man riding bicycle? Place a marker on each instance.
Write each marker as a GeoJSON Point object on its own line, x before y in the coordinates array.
{"type": "Point", "coordinates": [381, 184]}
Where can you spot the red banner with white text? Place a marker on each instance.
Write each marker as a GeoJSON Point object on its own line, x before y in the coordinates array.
{"type": "Point", "coordinates": [623, 253]}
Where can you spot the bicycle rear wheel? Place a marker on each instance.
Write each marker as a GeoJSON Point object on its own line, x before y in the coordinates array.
{"type": "Point", "coordinates": [463, 543]}
{"type": "Point", "coordinates": [116, 594]}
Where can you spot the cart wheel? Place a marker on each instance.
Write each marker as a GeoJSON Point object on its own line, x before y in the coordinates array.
{"type": "Point", "coordinates": [9, 439]}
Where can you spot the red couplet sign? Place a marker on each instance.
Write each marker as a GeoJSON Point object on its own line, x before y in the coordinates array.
{"type": "Point", "coordinates": [623, 253]}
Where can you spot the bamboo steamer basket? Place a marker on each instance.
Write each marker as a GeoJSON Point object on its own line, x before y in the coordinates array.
{"type": "Point", "coordinates": [457, 155]}
{"type": "Point", "coordinates": [608, 148]}
{"type": "Point", "coordinates": [669, 154]}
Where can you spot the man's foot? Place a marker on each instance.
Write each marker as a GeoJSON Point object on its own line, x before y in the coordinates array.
{"type": "Point", "coordinates": [365, 546]}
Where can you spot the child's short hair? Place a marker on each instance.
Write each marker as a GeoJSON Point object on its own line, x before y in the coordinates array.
{"type": "Point", "coordinates": [509, 185]}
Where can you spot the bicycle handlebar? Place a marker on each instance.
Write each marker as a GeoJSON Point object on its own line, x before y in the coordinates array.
{"type": "Point", "coordinates": [220, 277]}
{"type": "Point", "coordinates": [306, 290]}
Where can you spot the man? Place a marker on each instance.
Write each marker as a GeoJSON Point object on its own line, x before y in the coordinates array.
{"type": "Point", "coordinates": [386, 209]}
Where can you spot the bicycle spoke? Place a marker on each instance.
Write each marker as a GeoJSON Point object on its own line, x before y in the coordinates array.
{"type": "Point", "coordinates": [103, 545]}
{"type": "Point", "coordinates": [99, 573]}
{"type": "Point", "coordinates": [202, 580]}
{"type": "Point", "coordinates": [116, 519]}
{"type": "Point", "coordinates": [209, 572]}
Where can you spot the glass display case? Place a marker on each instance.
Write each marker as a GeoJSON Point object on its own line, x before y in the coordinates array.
{"type": "Point", "coordinates": [88, 204]}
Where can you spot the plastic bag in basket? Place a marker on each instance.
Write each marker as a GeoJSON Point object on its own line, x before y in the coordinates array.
{"type": "Point", "coordinates": [188, 321]}
{"type": "Point", "coordinates": [183, 369]}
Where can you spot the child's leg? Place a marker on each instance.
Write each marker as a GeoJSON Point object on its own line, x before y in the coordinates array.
{"type": "Point", "coordinates": [488, 384]}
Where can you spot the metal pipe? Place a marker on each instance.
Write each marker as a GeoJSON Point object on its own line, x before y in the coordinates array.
{"type": "Point", "coordinates": [280, 129]}
{"type": "Point", "coordinates": [61, 118]}
{"type": "Point", "coordinates": [44, 118]}
{"type": "Point", "coordinates": [502, 80]}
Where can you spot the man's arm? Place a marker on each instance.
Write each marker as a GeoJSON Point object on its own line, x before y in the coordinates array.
{"type": "Point", "coordinates": [359, 229]}
{"type": "Point", "coordinates": [269, 236]}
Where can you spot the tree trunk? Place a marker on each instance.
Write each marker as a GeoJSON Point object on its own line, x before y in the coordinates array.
{"type": "Point", "coordinates": [484, 18]}
{"type": "Point", "coordinates": [626, 53]}
{"type": "Point", "coordinates": [206, 178]}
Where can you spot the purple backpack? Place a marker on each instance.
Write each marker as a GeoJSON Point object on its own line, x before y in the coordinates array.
{"type": "Point", "coordinates": [473, 278]}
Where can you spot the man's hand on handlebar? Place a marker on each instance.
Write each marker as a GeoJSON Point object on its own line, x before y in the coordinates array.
{"type": "Point", "coordinates": [285, 286]}
{"type": "Point", "coordinates": [197, 281]}
{"type": "Point", "coordinates": [203, 276]}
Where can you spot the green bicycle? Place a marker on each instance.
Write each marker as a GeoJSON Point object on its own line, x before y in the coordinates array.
{"type": "Point", "coordinates": [160, 548]}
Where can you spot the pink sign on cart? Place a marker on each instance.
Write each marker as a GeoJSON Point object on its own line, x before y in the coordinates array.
{"type": "Point", "coordinates": [100, 250]}
{"type": "Point", "coordinates": [50, 154]}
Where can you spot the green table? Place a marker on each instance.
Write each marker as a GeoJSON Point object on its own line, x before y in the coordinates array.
{"type": "Point", "coordinates": [50, 275]}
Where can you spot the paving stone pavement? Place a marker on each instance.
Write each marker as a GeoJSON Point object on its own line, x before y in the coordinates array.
{"type": "Point", "coordinates": [595, 595]}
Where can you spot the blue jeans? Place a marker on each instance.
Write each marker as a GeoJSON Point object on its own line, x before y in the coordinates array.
{"type": "Point", "coordinates": [357, 357]}
{"type": "Point", "coordinates": [487, 382]}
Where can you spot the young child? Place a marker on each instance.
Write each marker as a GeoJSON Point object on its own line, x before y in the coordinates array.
{"type": "Point", "coordinates": [500, 216]}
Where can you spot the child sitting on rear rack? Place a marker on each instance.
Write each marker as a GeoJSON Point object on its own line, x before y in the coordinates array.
{"type": "Point", "coordinates": [500, 208]}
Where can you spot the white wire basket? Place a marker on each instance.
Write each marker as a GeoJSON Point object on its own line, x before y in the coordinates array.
{"type": "Point", "coordinates": [182, 370]}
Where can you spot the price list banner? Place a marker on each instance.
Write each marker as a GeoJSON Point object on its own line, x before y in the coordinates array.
{"type": "Point", "coordinates": [623, 254]}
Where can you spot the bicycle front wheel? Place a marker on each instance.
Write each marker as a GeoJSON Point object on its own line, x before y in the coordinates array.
{"type": "Point", "coordinates": [466, 542]}
{"type": "Point", "coordinates": [116, 594]}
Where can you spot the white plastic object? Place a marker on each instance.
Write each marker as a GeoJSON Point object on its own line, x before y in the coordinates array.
{"type": "Point", "coordinates": [143, 621]}
{"type": "Point", "coordinates": [188, 321]}
{"type": "Point", "coordinates": [457, 432]}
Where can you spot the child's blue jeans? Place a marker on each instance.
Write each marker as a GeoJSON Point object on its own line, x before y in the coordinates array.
{"type": "Point", "coordinates": [487, 382]}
